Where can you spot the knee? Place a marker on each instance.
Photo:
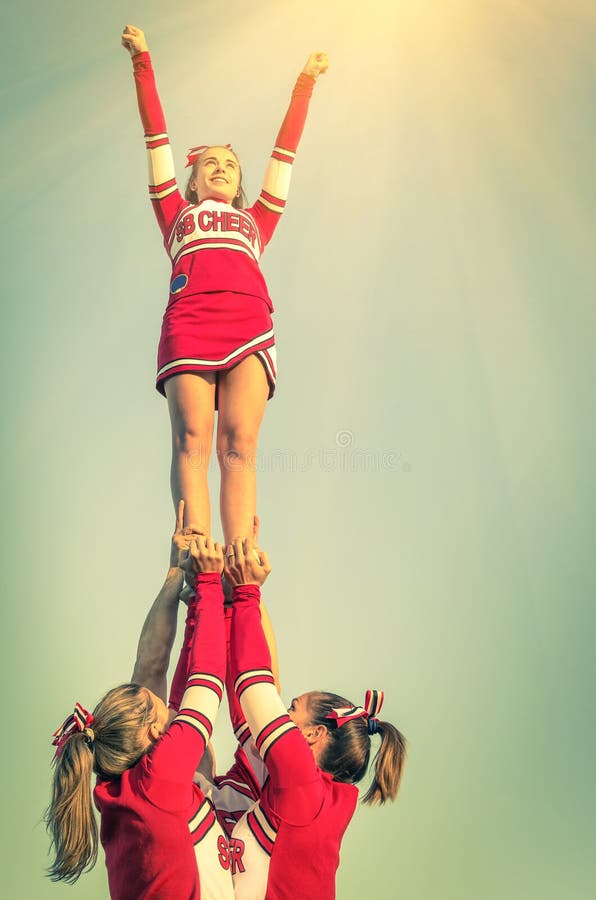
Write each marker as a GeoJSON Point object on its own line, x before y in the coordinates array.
{"type": "Point", "coordinates": [189, 436]}
{"type": "Point", "coordinates": [237, 445]}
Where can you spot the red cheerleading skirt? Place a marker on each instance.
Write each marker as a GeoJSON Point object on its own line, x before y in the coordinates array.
{"type": "Point", "coordinates": [212, 332]}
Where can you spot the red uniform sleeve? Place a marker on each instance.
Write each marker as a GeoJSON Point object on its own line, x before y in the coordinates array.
{"type": "Point", "coordinates": [276, 184]}
{"type": "Point", "coordinates": [178, 752]}
{"type": "Point", "coordinates": [292, 126]}
{"type": "Point", "coordinates": [163, 189]}
{"type": "Point", "coordinates": [206, 585]}
{"type": "Point", "coordinates": [295, 790]}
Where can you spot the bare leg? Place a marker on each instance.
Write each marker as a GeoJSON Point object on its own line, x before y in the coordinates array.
{"type": "Point", "coordinates": [191, 402]}
{"type": "Point", "coordinates": [243, 393]}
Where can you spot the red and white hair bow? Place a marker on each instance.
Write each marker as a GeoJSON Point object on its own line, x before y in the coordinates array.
{"type": "Point", "coordinates": [77, 721]}
{"type": "Point", "coordinates": [373, 702]}
{"type": "Point", "coordinates": [194, 152]}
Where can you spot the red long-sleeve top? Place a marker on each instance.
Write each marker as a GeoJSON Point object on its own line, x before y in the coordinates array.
{"type": "Point", "coordinates": [160, 835]}
{"type": "Point", "coordinates": [286, 847]}
{"type": "Point", "coordinates": [212, 246]}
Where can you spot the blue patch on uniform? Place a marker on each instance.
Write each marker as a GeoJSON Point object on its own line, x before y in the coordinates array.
{"type": "Point", "coordinates": [178, 284]}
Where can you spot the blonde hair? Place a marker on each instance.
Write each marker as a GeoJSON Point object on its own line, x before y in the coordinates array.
{"type": "Point", "coordinates": [116, 741]}
{"type": "Point", "coordinates": [190, 194]}
{"type": "Point", "coordinates": [347, 753]}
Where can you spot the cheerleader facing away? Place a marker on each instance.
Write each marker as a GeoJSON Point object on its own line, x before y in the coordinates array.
{"type": "Point", "coordinates": [287, 843]}
{"type": "Point", "coordinates": [160, 834]}
{"type": "Point", "coordinates": [217, 346]}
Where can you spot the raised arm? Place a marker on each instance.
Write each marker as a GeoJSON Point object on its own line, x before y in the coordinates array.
{"type": "Point", "coordinates": [237, 719]}
{"type": "Point", "coordinates": [180, 749]}
{"type": "Point", "coordinates": [276, 184]}
{"type": "Point", "coordinates": [163, 190]}
{"type": "Point", "coordinates": [159, 629]}
{"type": "Point", "coordinates": [157, 636]}
{"type": "Point", "coordinates": [295, 788]}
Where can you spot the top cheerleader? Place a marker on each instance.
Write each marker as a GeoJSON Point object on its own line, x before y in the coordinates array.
{"type": "Point", "coordinates": [217, 347]}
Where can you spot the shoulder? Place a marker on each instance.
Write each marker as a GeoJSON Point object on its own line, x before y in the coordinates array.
{"type": "Point", "coordinates": [345, 795]}
{"type": "Point", "coordinates": [108, 790]}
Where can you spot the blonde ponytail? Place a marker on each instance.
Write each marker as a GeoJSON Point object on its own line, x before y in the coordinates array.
{"type": "Point", "coordinates": [70, 819]}
{"type": "Point", "coordinates": [115, 741]}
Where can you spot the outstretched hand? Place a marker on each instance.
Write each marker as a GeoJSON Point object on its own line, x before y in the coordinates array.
{"type": "Point", "coordinates": [245, 564]}
{"type": "Point", "coordinates": [205, 555]}
{"type": "Point", "coordinates": [227, 586]}
{"type": "Point", "coordinates": [133, 39]}
{"type": "Point", "coordinates": [316, 64]}
{"type": "Point", "coordinates": [181, 539]}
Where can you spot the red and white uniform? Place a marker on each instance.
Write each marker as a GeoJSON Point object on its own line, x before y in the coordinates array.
{"type": "Point", "coordinates": [219, 310]}
{"type": "Point", "coordinates": [160, 834]}
{"type": "Point", "coordinates": [287, 844]}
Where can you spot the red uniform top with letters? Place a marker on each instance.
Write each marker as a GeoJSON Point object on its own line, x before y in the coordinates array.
{"type": "Point", "coordinates": [287, 844]}
{"type": "Point", "coordinates": [219, 310]}
{"type": "Point", "coordinates": [160, 834]}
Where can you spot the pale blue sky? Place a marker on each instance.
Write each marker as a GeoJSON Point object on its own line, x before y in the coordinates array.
{"type": "Point", "coordinates": [426, 484]}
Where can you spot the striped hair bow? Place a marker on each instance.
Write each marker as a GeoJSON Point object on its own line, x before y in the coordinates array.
{"type": "Point", "coordinates": [194, 152]}
{"type": "Point", "coordinates": [373, 702]}
{"type": "Point", "coordinates": [77, 721]}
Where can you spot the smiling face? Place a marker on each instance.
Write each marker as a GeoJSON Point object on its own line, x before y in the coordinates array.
{"type": "Point", "coordinates": [217, 175]}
